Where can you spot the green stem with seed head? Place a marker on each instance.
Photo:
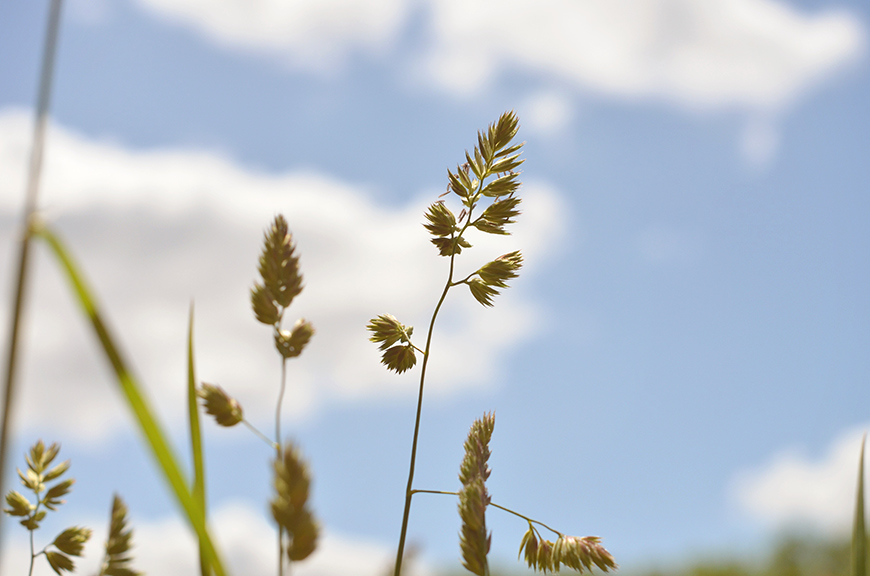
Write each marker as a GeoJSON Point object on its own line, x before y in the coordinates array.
{"type": "Point", "coordinates": [409, 492]}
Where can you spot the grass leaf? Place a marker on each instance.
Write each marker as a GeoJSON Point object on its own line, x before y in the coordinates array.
{"type": "Point", "coordinates": [196, 439]}
{"type": "Point", "coordinates": [144, 416]}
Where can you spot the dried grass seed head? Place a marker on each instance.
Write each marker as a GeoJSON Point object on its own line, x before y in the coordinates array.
{"type": "Point", "coordinates": [394, 339]}
{"type": "Point", "coordinates": [441, 221]}
{"type": "Point", "coordinates": [387, 330]}
{"type": "Point", "coordinates": [119, 543]}
{"type": "Point", "coordinates": [474, 541]}
{"type": "Point", "coordinates": [52, 498]}
{"type": "Point", "coordinates": [477, 452]}
{"type": "Point", "coordinates": [40, 457]}
{"type": "Point", "coordinates": [279, 269]}
{"type": "Point", "coordinates": [263, 303]}
{"type": "Point", "coordinates": [72, 540]}
{"type": "Point", "coordinates": [225, 409]}
{"type": "Point", "coordinates": [289, 506]}
{"type": "Point", "coordinates": [498, 215]}
{"type": "Point", "coordinates": [290, 343]}
{"type": "Point", "coordinates": [59, 562]}
{"type": "Point", "coordinates": [18, 504]}
{"type": "Point", "coordinates": [529, 547]}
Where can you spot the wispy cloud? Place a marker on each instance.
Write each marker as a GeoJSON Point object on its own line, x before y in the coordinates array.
{"type": "Point", "coordinates": [313, 34]}
{"type": "Point", "coordinates": [695, 53]}
{"type": "Point", "coordinates": [792, 488]}
{"type": "Point", "coordinates": [548, 113]}
{"type": "Point", "coordinates": [154, 229]}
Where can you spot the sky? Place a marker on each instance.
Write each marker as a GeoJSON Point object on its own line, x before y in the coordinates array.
{"type": "Point", "coordinates": [680, 368]}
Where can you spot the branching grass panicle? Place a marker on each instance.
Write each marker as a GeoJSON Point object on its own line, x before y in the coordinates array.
{"type": "Point", "coordinates": [486, 185]}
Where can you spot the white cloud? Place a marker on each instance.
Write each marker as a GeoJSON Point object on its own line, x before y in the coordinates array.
{"type": "Point", "coordinates": [794, 489]}
{"type": "Point", "coordinates": [314, 34]}
{"type": "Point", "coordinates": [154, 229]}
{"type": "Point", "coordinates": [548, 113]}
{"type": "Point", "coordinates": [246, 539]}
{"type": "Point", "coordinates": [697, 53]}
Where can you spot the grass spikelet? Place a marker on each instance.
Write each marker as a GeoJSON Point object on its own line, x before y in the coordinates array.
{"type": "Point", "coordinates": [279, 268]}
{"type": "Point", "coordinates": [474, 541]}
{"type": "Point", "coordinates": [290, 343]}
{"type": "Point", "coordinates": [394, 339]}
{"type": "Point", "coordinates": [118, 544]}
{"type": "Point", "coordinates": [290, 504]}
{"type": "Point", "coordinates": [225, 409]}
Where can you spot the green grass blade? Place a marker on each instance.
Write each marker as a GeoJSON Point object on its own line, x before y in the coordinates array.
{"type": "Point", "coordinates": [148, 425]}
{"type": "Point", "coordinates": [859, 534]}
{"type": "Point", "coordinates": [196, 439]}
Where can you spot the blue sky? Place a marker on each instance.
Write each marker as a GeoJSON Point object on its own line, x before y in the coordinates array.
{"type": "Point", "coordinates": [680, 369]}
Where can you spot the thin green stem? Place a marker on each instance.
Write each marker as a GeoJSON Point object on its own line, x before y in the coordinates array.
{"type": "Point", "coordinates": [409, 491]}
{"type": "Point", "coordinates": [9, 385]}
{"type": "Point", "coordinates": [514, 512]}
{"type": "Point", "coordinates": [260, 435]}
{"type": "Point", "coordinates": [526, 518]}
{"type": "Point", "coordinates": [444, 492]}
{"type": "Point", "coordinates": [278, 456]}
{"type": "Point", "coordinates": [32, 555]}
{"type": "Point", "coordinates": [278, 408]}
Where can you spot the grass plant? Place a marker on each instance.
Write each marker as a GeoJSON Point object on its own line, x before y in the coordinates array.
{"type": "Point", "coordinates": [487, 186]}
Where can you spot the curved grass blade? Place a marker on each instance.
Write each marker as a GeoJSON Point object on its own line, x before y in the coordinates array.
{"type": "Point", "coordinates": [859, 534]}
{"type": "Point", "coordinates": [144, 416]}
{"type": "Point", "coordinates": [196, 439]}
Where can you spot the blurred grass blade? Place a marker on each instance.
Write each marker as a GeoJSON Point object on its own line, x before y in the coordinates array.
{"type": "Point", "coordinates": [30, 201]}
{"type": "Point", "coordinates": [196, 439]}
{"type": "Point", "coordinates": [144, 416]}
{"type": "Point", "coordinates": [859, 534]}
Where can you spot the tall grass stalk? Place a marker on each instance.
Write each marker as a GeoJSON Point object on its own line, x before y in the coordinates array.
{"type": "Point", "coordinates": [493, 157]}
{"type": "Point", "coordinates": [30, 204]}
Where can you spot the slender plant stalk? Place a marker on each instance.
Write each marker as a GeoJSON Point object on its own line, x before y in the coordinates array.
{"type": "Point", "coordinates": [260, 435]}
{"type": "Point", "coordinates": [506, 509]}
{"type": "Point", "coordinates": [44, 98]}
{"type": "Point", "coordinates": [409, 492]}
{"type": "Point", "coordinates": [278, 454]}
{"type": "Point", "coordinates": [32, 555]}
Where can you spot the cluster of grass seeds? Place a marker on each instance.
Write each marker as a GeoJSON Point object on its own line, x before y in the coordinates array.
{"type": "Point", "coordinates": [486, 185]}
{"type": "Point", "coordinates": [69, 544]}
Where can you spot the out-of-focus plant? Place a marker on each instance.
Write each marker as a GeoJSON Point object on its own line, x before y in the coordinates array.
{"type": "Point", "coordinates": [280, 282]}
{"type": "Point", "coordinates": [69, 543]}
